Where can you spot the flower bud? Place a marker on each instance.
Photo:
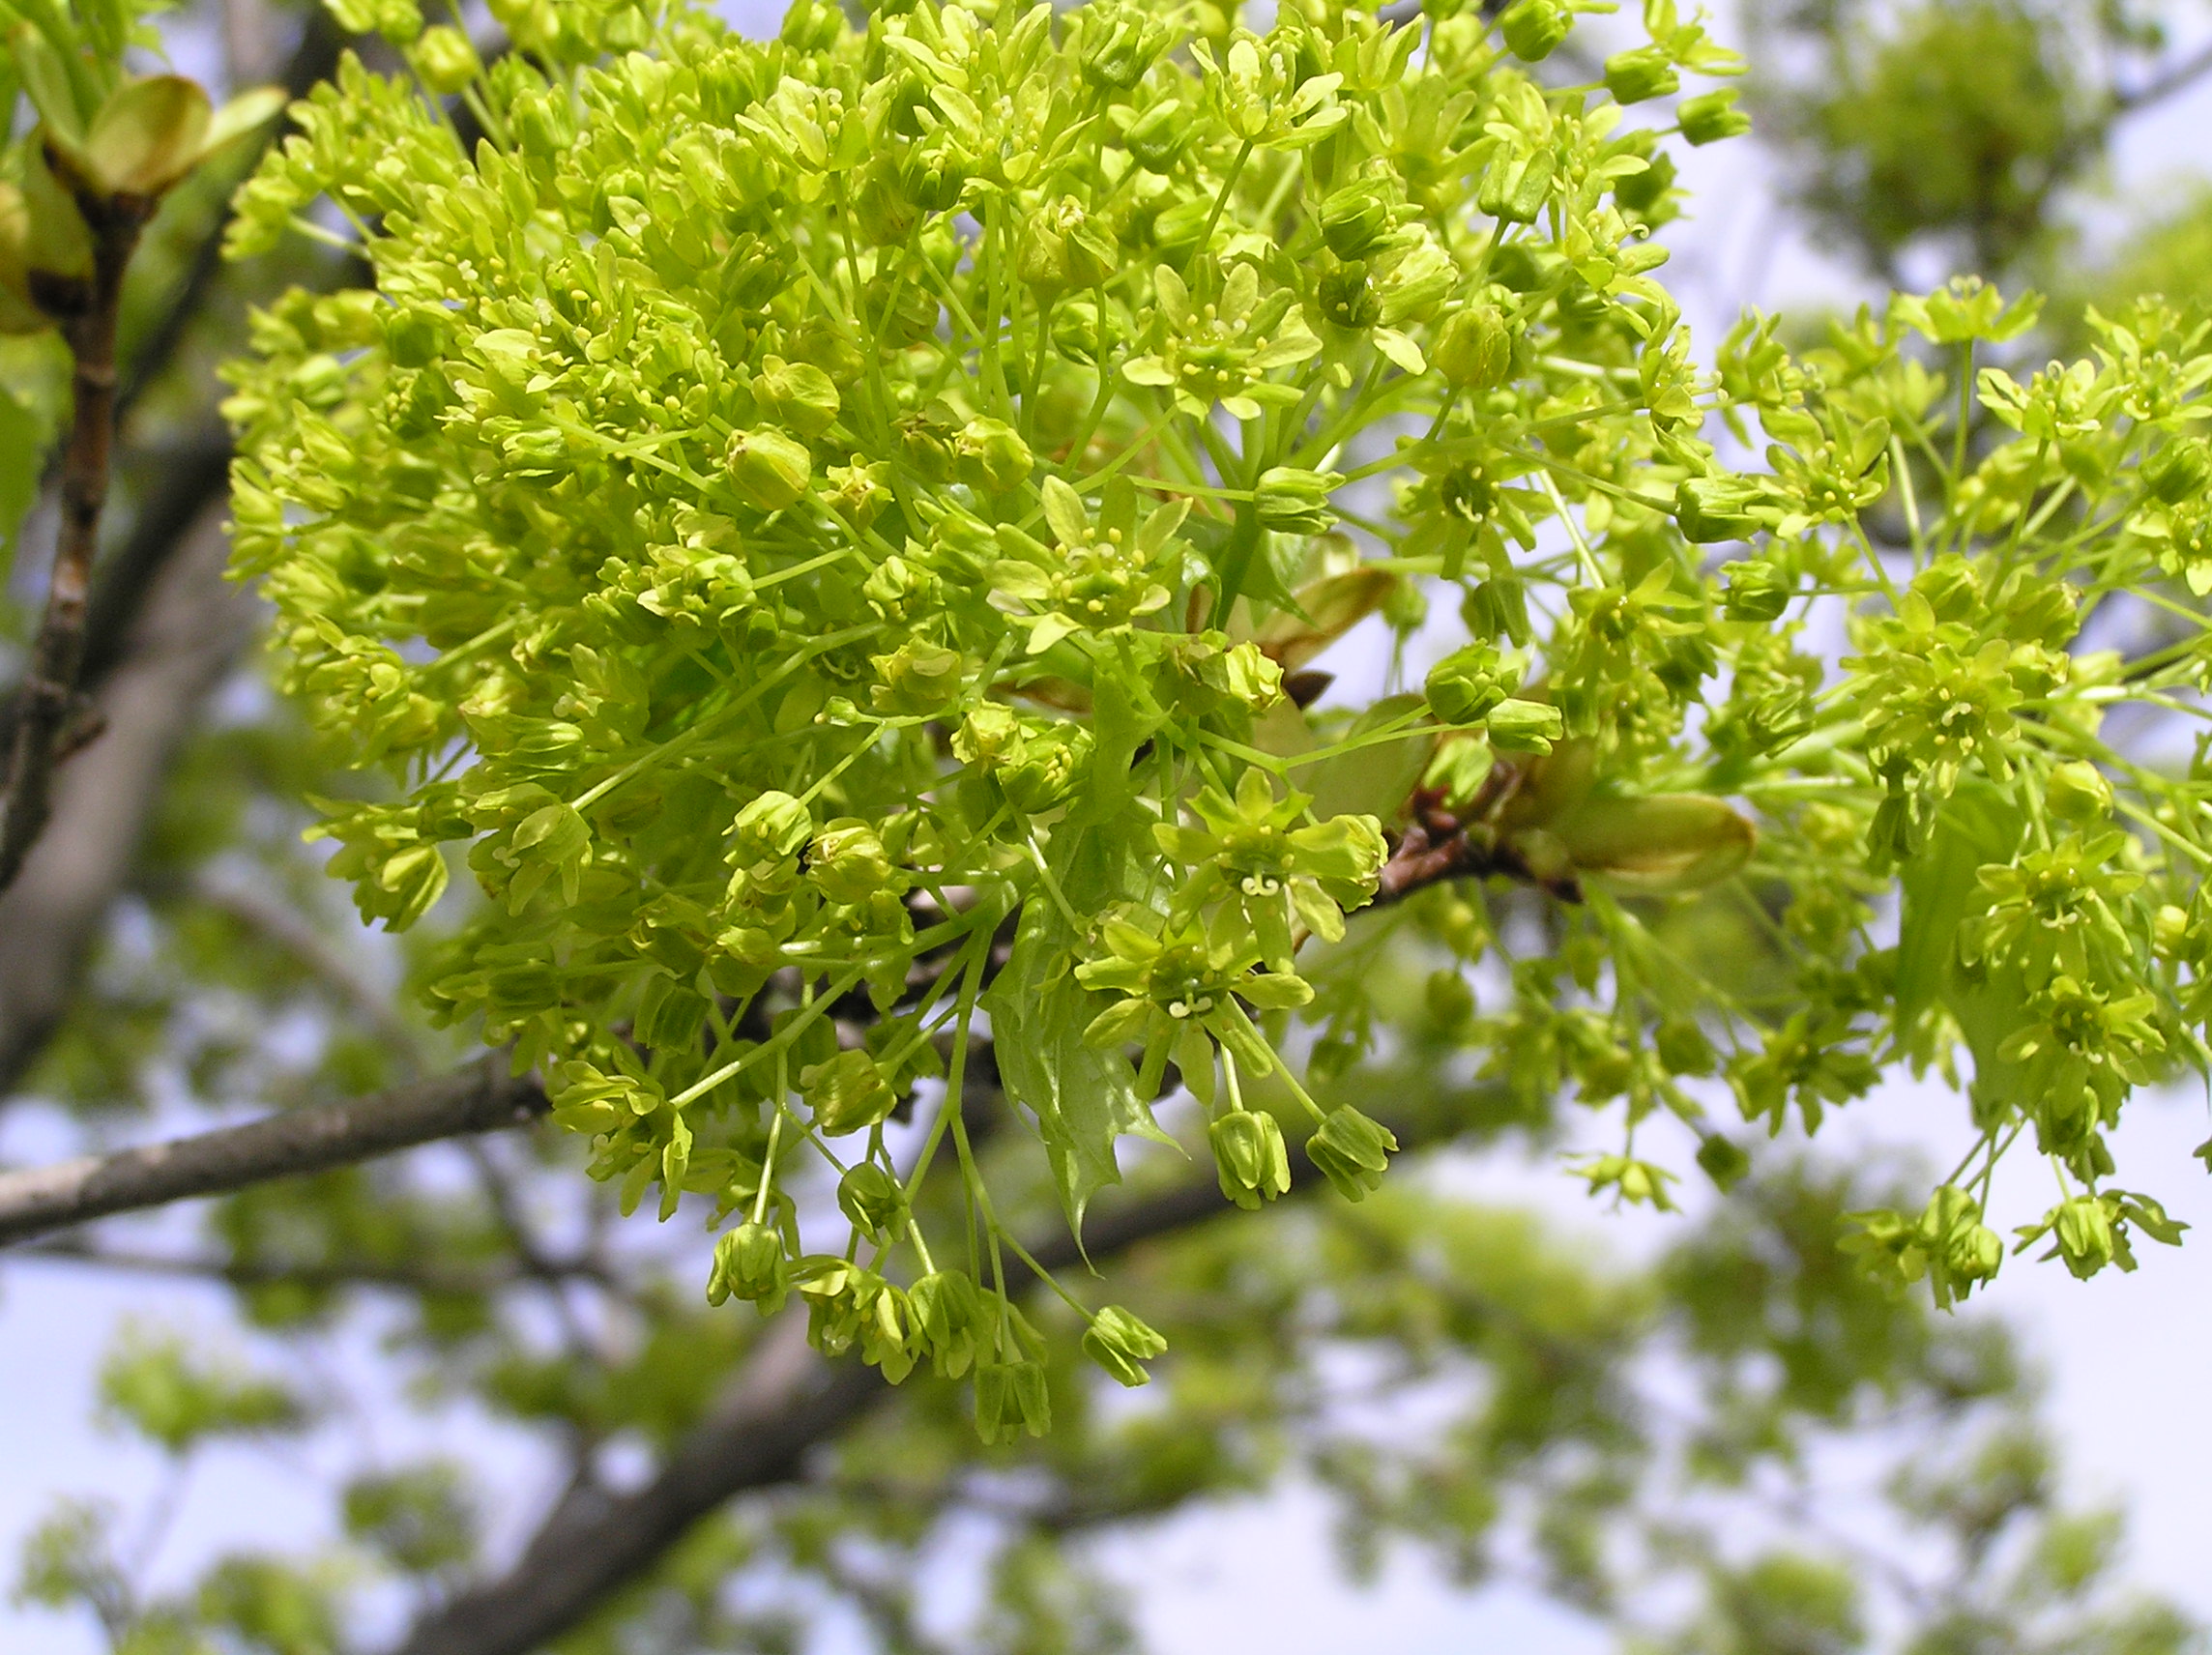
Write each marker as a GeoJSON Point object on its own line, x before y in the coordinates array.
{"type": "Point", "coordinates": [1356, 219]}
{"type": "Point", "coordinates": [1950, 587]}
{"type": "Point", "coordinates": [990, 454]}
{"type": "Point", "coordinates": [917, 677]}
{"type": "Point", "coordinates": [772, 827]}
{"type": "Point", "coordinates": [797, 396]}
{"type": "Point", "coordinates": [1474, 348]}
{"type": "Point", "coordinates": [2079, 791]}
{"type": "Point", "coordinates": [1524, 726]}
{"type": "Point", "coordinates": [2169, 930]}
{"type": "Point", "coordinates": [848, 860]}
{"type": "Point", "coordinates": [1295, 502]}
{"type": "Point", "coordinates": [1157, 136]}
{"type": "Point", "coordinates": [1347, 298]}
{"type": "Point", "coordinates": [947, 1315]}
{"type": "Point", "coordinates": [1533, 28]}
{"type": "Point", "coordinates": [749, 1263]}
{"type": "Point", "coordinates": [1351, 1152]}
{"type": "Point", "coordinates": [1010, 1398]}
{"type": "Point", "coordinates": [444, 58]}
{"type": "Point", "coordinates": [1683, 1048]}
{"type": "Point", "coordinates": [1757, 590]}
{"type": "Point", "coordinates": [847, 1093]}
{"type": "Point", "coordinates": [1249, 1157]}
{"type": "Point", "coordinates": [1715, 508]}
{"type": "Point", "coordinates": [811, 25]}
{"type": "Point", "coordinates": [2177, 472]}
{"type": "Point", "coordinates": [872, 1199]}
{"type": "Point", "coordinates": [1450, 998]}
{"type": "Point", "coordinates": [1515, 186]}
{"type": "Point", "coordinates": [771, 470]}
{"type": "Point", "coordinates": [1469, 682]}
{"type": "Point", "coordinates": [1723, 1161]}
{"type": "Point", "coordinates": [1632, 76]}
{"type": "Point", "coordinates": [1709, 119]}
{"type": "Point", "coordinates": [1119, 56]}
{"type": "Point", "coordinates": [1121, 1342]}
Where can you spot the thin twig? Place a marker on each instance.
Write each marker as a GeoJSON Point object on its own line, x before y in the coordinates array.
{"type": "Point", "coordinates": [49, 687]}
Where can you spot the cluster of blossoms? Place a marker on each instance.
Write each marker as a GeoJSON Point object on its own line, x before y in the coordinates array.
{"type": "Point", "coordinates": [833, 532]}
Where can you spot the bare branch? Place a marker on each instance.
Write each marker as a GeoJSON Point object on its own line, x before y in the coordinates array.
{"type": "Point", "coordinates": [787, 1402]}
{"type": "Point", "coordinates": [481, 1097]}
{"type": "Point", "coordinates": [170, 648]}
{"type": "Point", "coordinates": [414, 1275]}
{"type": "Point", "coordinates": [88, 313]}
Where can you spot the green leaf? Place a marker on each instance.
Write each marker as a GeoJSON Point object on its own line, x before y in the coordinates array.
{"type": "Point", "coordinates": [1084, 1098]}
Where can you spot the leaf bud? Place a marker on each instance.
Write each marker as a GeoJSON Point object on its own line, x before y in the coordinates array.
{"type": "Point", "coordinates": [797, 396]}
{"type": "Point", "coordinates": [1010, 1398]}
{"type": "Point", "coordinates": [1474, 348]}
{"type": "Point", "coordinates": [1356, 219]}
{"type": "Point", "coordinates": [1534, 28]}
{"type": "Point", "coordinates": [872, 1199]}
{"type": "Point", "coordinates": [2079, 791]}
{"type": "Point", "coordinates": [848, 860]}
{"type": "Point", "coordinates": [990, 454]}
{"type": "Point", "coordinates": [1517, 726]}
{"type": "Point", "coordinates": [771, 470]}
{"type": "Point", "coordinates": [1293, 502]}
{"type": "Point", "coordinates": [1632, 76]}
{"type": "Point", "coordinates": [1249, 1157]}
{"type": "Point", "coordinates": [774, 826]}
{"type": "Point", "coordinates": [1157, 137]}
{"type": "Point", "coordinates": [847, 1093]}
{"type": "Point", "coordinates": [1345, 298]}
{"type": "Point", "coordinates": [2177, 472]}
{"type": "Point", "coordinates": [1468, 684]}
{"type": "Point", "coordinates": [1121, 1342]}
{"type": "Point", "coordinates": [1759, 591]}
{"type": "Point", "coordinates": [1351, 1152]}
{"type": "Point", "coordinates": [749, 1263]}
{"type": "Point", "coordinates": [1712, 117]}
{"type": "Point", "coordinates": [444, 58]}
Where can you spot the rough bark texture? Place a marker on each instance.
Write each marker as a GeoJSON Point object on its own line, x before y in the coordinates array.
{"type": "Point", "coordinates": [478, 1098]}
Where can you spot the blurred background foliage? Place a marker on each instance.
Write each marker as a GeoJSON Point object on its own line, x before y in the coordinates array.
{"type": "Point", "coordinates": [1736, 1448]}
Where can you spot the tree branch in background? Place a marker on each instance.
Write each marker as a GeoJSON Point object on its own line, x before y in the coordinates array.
{"type": "Point", "coordinates": [478, 1098]}
{"type": "Point", "coordinates": [785, 1402]}
{"type": "Point", "coordinates": [156, 647]}
{"type": "Point", "coordinates": [51, 680]}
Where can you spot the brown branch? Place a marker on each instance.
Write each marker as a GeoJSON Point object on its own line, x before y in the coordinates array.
{"type": "Point", "coordinates": [414, 1275]}
{"type": "Point", "coordinates": [481, 1097]}
{"type": "Point", "coordinates": [174, 638]}
{"type": "Point", "coordinates": [786, 1403]}
{"type": "Point", "coordinates": [51, 683]}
